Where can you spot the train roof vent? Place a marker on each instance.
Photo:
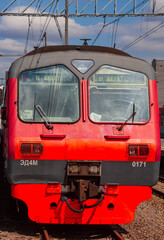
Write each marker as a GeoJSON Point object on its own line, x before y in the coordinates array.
{"type": "Point", "coordinates": [82, 65]}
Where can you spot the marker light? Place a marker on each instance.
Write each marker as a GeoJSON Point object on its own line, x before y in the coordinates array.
{"type": "Point", "coordinates": [138, 150]}
{"type": "Point", "coordinates": [143, 150]}
{"type": "Point", "coordinates": [31, 148]}
{"type": "Point", "coordinates": [25, 148]}
{"type": "Point", "coordinates": [37, 148]}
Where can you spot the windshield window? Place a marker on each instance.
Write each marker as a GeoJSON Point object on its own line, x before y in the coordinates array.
{"type": "Point", "coordinates": [54, 89]}
{"type": "Point", "coordinates": [116, 93]}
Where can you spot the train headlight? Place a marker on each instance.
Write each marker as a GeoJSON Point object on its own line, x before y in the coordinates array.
{"type": "Point", "coordinates": [133, 150]}
{"type": "Point", "coordinates": [138, 150]}
{"type": "Point", "coordinates": [73, 168]}
{"type": "Point", "coordinates": [94, 169]}
{"type": "Point", "coordinates": [31, 148]}
{"type": "Point", "coordinates": [84, 168]}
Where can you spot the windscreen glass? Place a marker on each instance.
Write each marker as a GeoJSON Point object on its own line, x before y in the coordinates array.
{"type": "Point", "coordinates": [115, 94]}
{"type": "Point", "coordinates": [52, 92]}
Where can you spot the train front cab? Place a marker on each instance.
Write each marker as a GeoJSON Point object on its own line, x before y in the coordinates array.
{"type": "Point", "coordinates": [82, 139]}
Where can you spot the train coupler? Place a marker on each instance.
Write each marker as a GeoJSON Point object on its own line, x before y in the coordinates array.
{"type": "Point", "coordinates": [83, 179]}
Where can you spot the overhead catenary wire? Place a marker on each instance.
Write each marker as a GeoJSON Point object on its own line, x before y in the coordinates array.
{"type": "Point", "coordinates": [46, 24]}
{"type": "Point", "coordinates": [99, 32]}
{"type": "Point", "coordinates": [154, 29]}
{"type": "Point", "coordinates": [41, 34]}
{"type": "Point", "coordinates": [114, 34]}
{"type": "Point", "coordinates": [30, 25]}
{"type": "Point", "coordinates": [27, 37]}
{"type": "Point", "coordinates": [59, 30]}
{"type": "Point", "coordinates": [160, 9]}
{"type": "Point", "coordinates": [107, 24]}
{"type": "Point", "coordinates": [144, 6]}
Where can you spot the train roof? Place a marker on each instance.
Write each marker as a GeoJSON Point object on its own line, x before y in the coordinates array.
{"type": "Point", "coordinates": [64, 55]}
{"type": "Point", "coordinates": [77, 48]}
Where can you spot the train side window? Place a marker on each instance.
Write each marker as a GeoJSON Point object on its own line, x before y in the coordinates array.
{"type": "Point", "coordinates": [115, 93]}
{"type": "Point", "coordinates": [55, 89]}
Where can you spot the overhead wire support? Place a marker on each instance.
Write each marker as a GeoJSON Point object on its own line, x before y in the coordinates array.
{"type": "Point", "coordinates": [134, 6]}
{"type": "Point", "coordinates": [154, 5]}
{"type": "Point", "coordinates": [95, 6]}
{"type": "Point", "coordinates": [59, 30]}
{"type": "Point", "coordinates": [105, 6]}
{"type": "Point", "coordinates": [125, 6]}
{"type": "Point", "coordinates": [10, 4]}
{"type": "Point", "coordinates": [57, 6]}
{"type": "Point", "coordinates": [65, 7]}
{"type": "Point", "coordinates": [66, 22]}
{"type": "Point", "coordinates": [82, 9]}
{"type": "Point", "coordinates": [86, 6]}
{"type": "Point", "coordinates": [48, 6]}
{"type": "Point", "coordinates": [121, 16]}
{"type": "Point", "coordinates": [76, 6]}
{"type": "Point", "coordinates": [144, 6]}
{"type": "Point", "coordinates": [28, 6]}
{"type": "Point", "coordinates": [115, 6]}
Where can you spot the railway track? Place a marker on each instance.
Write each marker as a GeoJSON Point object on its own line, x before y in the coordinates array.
{"type": "Point", "coordinates": [158, 191]}
{"type": "Point", "coordinates": [116, 235]}
{"type": "Point", "coordinates": [45, 235]}
{"type": "Point", "coordinates": [161, 179]}
{"type": "Point", "coordinates": [113, 234]}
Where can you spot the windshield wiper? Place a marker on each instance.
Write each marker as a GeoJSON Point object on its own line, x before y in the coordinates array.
{"type": "Point", "coordinates": [48, 124]}
{"type": "Point", "coordinates": [131, 116]}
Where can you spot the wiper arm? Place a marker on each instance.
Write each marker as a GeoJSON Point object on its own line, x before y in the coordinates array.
{"type": "Point", "coordinates": [44, 116]}
{"type": "Point", "coordinates": [131, 116]}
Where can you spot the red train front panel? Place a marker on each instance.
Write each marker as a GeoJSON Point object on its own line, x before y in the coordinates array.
{"type": "Point", "coordinates": [83, 134]}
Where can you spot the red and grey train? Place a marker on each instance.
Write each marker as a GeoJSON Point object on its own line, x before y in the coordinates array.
{"type": "Point", "coordinates": [81, 134]}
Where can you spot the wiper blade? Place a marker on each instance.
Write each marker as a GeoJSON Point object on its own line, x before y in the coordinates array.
{"type": "Point", "coordinates": [131, 116]}
{"type": "Point", "coordinates": [44, 116]}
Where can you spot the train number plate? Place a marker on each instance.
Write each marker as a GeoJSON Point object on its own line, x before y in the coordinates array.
{"type": "Point", "coordinates": [138, 164]}
{"type": "Point", "coordinates": [28, 163]}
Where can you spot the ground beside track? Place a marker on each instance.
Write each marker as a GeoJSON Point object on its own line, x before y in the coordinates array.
{"type": "Point", "coordinates": [148, 222]}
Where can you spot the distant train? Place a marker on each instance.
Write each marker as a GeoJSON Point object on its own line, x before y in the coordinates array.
{"type": "Point", "coordinates": [81, 135]}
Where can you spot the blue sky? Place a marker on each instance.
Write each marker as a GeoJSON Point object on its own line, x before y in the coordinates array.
{"type": "Point", "coordinates": [14, 30]}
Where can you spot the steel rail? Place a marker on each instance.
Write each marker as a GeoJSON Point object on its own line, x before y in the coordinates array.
{"type": "Point", "coordinates": [161, 179]}
{"type": "Point", "coordinates": [158, 193]}
{"type": "Point", "coordinates": [45, 234]}
{"type": "Point", "coordinates": [116, 235]}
